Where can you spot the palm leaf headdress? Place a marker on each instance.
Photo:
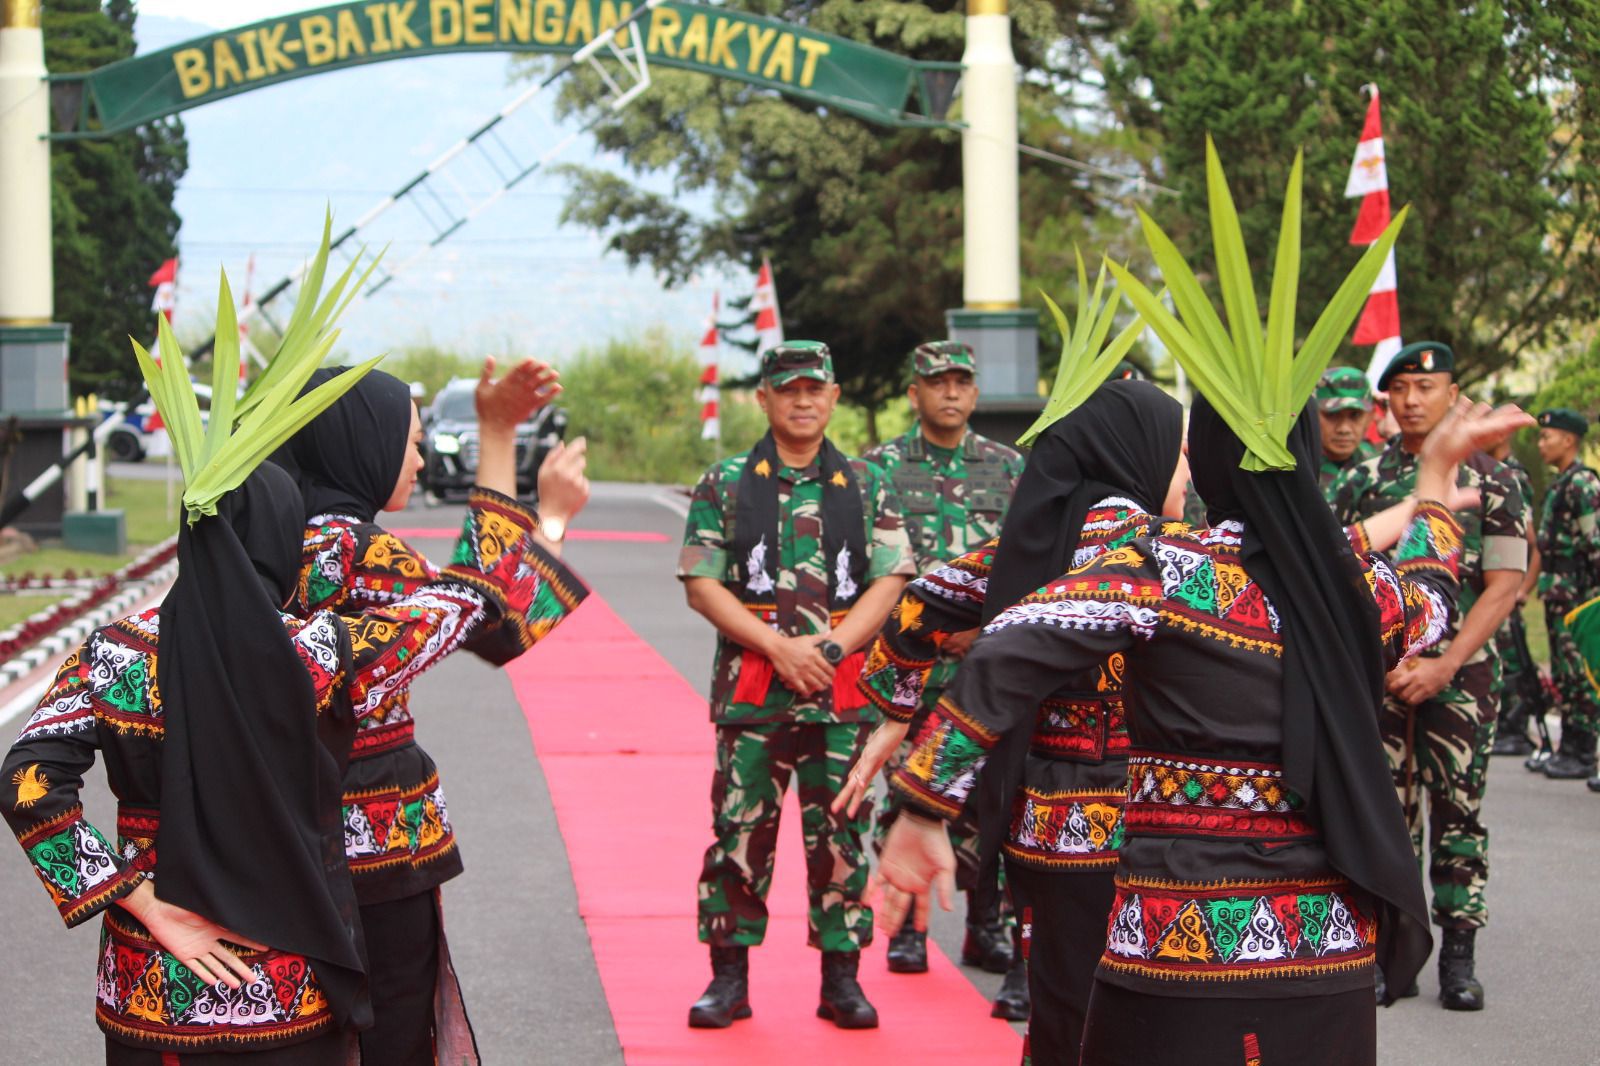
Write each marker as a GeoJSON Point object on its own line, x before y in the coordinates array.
{"type": "Point", "coordinates": [1258, 384]}
{"type": "Point", "coordinates": [1084, 365]}
{"type": "Point", "coordinates": [216, 458]}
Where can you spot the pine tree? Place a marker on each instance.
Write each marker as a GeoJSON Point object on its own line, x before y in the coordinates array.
{"type": "Point", "coordinates": [111, 204]}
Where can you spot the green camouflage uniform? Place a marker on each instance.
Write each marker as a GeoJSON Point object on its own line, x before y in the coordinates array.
{"type": "Point", "coordinates": [954, 500]}
{"type": "Point", "coordinates": [1450, 734]}
{"type": "Point", "coordinates": [1520, 688]}
{"type": "Point", "coordinates": [815, 739]}
{"type": "Point", "coordinates": [1569, 551]}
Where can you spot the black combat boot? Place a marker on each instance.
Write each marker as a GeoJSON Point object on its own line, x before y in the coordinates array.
{"type": "Point", "coordinates": [1013, 1002]}
{"type": "Point", "coordinates": [1381, 987]}
{"type": "Point", "coordinates": [1458, 989]}
{"type": "Point", "coordinates": [727, 997]}
{"type": "Point", "coordinates": [1594, 783]}
{"type": "Point", "coordinates": [908, 950]}
{"type": "Point", "coordinates": [1511, 734]}
{"type": "Point", "coordinates": [987, 944]}
{"type": "Point", "coordinates": [1575, 760]}
{"type": "Point", "coordinates": [843, 1002]}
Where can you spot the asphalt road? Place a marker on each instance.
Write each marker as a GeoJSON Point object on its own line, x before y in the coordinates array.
{"type": "Point", "coordinates": [524, 957]}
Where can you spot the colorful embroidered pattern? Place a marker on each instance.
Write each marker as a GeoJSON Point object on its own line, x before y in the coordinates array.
{"type": "Point", "coordinates": [144, 995]}
{"type": "Point", "coordinates": [383, 827]}
{"type": "Point", "coordinates": [1170, 796]}
{"type": "Point", "coordinates": [894, 684]}
{"type": "Point", "coordinates": [78, 868]}
{"type": "Point", "coordinates": [949, 754]}
{"type": "Point", "coordinates": [1235, 930]}
{"type": "Point", "coordinates": [1077, 829]}
{"type": "Point", "coordinates": [1080, 729]}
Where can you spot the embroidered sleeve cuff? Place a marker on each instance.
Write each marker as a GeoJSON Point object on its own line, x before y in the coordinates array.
{"type": "Point", "coordinates": [891, 683]}
{"type": "Point", "coordinates": [541, 593]}
{"type": "Point", "coordinates": [1432, 541]}
{"type": "Point", "coordinates": [1360, 543]}
{"type": "Point", "coordinates": [907, 793]}
{"type": "Point", "coordinates": [83, 874]}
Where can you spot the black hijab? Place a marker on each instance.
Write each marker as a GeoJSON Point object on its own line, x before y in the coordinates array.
{"type": "Point", "coordinates": [1332, 672]}
{"type": "Point", "coordinates": [251, 835]}
{"type": "Point", "coordinates": [1122, 441]}
{"type": "Point", "coordinates": [348, 459]}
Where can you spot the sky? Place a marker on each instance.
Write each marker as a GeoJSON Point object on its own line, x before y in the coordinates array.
{"type": "Point", "coordinates": [263, 166]}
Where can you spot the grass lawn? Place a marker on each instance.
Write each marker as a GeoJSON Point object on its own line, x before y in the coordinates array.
{"type": "Point", "coordinates": [145, 507]}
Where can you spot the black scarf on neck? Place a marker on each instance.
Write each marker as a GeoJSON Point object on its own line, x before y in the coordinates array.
{"type": "Point", "coordinates": [1332, 672]}
{"type": "Point", "coordinates": [756, 520]}
{"type": "Point", "coordinates": [251, 835]}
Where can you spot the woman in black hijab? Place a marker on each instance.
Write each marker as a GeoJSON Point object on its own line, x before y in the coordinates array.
{"type": "Point", "coordinates": [225, 726]}
{"type": "Point", "coordinates": [1265, 866]}
{"type": "Point", "coordinates": [355, 460]}
{"type": "Point", "coordinates": [1051, 795]}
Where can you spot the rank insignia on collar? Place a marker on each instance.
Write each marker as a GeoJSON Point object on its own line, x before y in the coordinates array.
{"type": "Point", "coordinates": [839, 479]}
{"type": "Point", "coordinates": [764, 468]}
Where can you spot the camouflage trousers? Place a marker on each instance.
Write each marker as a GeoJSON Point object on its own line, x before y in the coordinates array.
{"type": "Point", "coordinates": [983, 876]}
{"type": "Point", "coordinates": [1578, 707]}
{"type": "Point", "coordinates": [1447, 739]}
{"type": "Point", "coordinates": [1520, 692]}
{"type": "Point", "coordinates": [754, 765]}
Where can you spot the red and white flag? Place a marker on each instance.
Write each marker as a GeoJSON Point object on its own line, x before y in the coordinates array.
{"type": "Point", "coordinates": [710, 394]}
{"type": "Point", "coordinates": [165, 282]}
{"type": "Point", "coordinates": [1369, 179]}
{"type": "Point", "coordinates": [769, 323]}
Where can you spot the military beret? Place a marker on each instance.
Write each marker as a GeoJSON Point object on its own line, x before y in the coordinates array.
{"type": "Point", "coordinates": [783, 363]}
{"type": "Point", "coordinates": [1564, 418]}
{"type": "Point", "coordinates": [1343, 388]}
{"type": "Point", "coordinates": [1423, 357]}
{"type": "Point", "coordinates": [937, 357]}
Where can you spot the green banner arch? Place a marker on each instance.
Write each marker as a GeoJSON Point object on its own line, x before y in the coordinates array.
{"type": "Point", "coordinates": [858, 79]}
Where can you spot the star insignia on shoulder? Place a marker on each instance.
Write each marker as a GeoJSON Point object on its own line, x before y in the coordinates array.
{"type": "Point", "coordinates": [764, 469]}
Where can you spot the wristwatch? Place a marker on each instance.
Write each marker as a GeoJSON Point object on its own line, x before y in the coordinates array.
{"type": "Point", "coordinates": [831, 652]}
{"type": "Point", "coordinates": [553, 530]}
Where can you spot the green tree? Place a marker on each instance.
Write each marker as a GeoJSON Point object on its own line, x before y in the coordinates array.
{"type": "Point", "coordinates": [863, 223]}
{"type": "Point", "coordinates": [111, 204]}
{"type": "Point", "coordinates": [1488, 126]}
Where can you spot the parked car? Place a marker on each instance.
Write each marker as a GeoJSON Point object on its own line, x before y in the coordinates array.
{"type": "Point", "coordinates": [137, 433]}
{"type": "Point", "coordinates": [450, 443]}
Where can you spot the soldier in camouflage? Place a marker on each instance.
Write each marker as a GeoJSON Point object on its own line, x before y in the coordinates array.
{"type": "Point", "coordinates": [1344, 407]}
{"type": "Point", "coordinates": [795, 553]}
{"type": "Point", "coordinates": [1569, 547]}
{"type": "Point", "coordinates": [1439, 718]}
{"type": "Point", "coordinates": [954, 487]}
{"type": "Point", "coordinates": [1521, 695]}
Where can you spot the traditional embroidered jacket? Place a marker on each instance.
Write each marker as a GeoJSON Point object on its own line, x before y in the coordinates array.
{"type": "Point", "coordinates": [105, 699]}
{"type": "Point", "coordinates": [352, 566]}
{"type": "Point", "coordinates": [744, 689]}
{"type": "Point", "coordinates": [1223, 885]}
{"type": "Point", "coordinates": [1067, 816]}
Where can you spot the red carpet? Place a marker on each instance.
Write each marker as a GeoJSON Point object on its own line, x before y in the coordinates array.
{"type": "Point", "coordinates": [630, 775]}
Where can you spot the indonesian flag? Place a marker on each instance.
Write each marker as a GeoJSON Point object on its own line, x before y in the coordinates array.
{"type": "Point", "coordinates": [769, 323]}
{"type": "Point", "coordinates": [710, 395]}
{"type": "Point", "coordinates": [1369, 179]}
{"type": "Point", "coordinates": [165, 282]}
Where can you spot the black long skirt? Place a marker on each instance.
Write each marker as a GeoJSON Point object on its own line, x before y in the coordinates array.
{"type": "Point", "coordinates": [1127, 1028]}
{"type": "Point", "coordinates": [1064, 919]}
{"type": "Point", "coordinates": [330, 1049]}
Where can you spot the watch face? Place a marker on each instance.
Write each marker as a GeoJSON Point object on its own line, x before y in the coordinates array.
{"type": "Point", "coordinates": [832, 652]}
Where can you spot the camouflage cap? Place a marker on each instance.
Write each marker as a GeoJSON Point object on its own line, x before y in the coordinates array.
{"type": "Point", "coordinates": [936, 357]}
{"type": "Point", "coordinates": [1343, 388]}
{"type": "Point", "coordinates": [1564, 418]}
{"type": "Point", "coordinates": [1423, 357]}
{"type": "Point", "coordinates": [796, 359]}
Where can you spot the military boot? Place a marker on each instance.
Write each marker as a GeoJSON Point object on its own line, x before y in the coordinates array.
{"type": "Point", "coordinates": [1575, 760]}
{"type": "Point", "coordinates": [1458, 989]}
{"type": "Point", "coordinates": [987, 944]}
{"type": "Point", "coordinates": [843, 1002]}
{"type": "Point", "coordinates": [1013, 1002]}
{"type": "Point", "coordinates": [908, 950]}
{"type": "Point", "coordinates": [1511, 735]}
{"type": "Point", "coordinates": [727, 997]}
{"type": "Point", "coordinates": [1594, 783]}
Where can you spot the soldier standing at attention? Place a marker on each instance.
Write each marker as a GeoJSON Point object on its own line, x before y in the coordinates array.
{"type": "Point", "coordinates": [1344, 406]}
{"type": "Point", "coordinates": [1438, 720]}
{"type": "Point", "coordinates": [1521, 692]}
{"type": "Point", "coordinates": [796, 553]}
{"type": "Point", "coordinates": [954, 487]}
{"type": "Point", "coordinates": [1570, 576]}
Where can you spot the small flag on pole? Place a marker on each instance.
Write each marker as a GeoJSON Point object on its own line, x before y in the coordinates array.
{"type": "Point", "coordinates": [1369, 179]}
{"type": "Point", "coordinates": [165, 282]}
{"type": "Point", "coordinates": [710, 394]}
{"type": "Point", "coordinates": [769, 323]}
